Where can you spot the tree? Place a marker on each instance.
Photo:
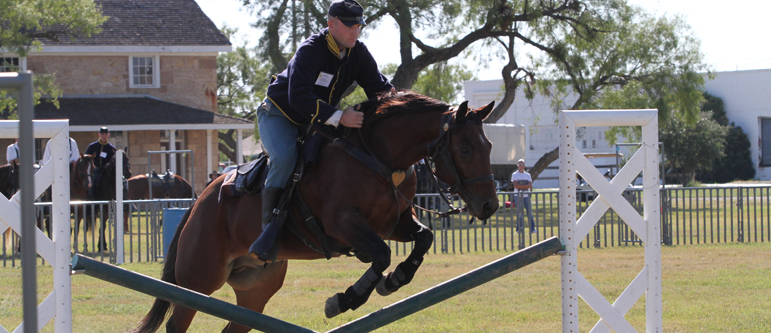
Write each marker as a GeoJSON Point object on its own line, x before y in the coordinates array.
{"type": "Point", "coordinates": [692, 147]}
{"type": "Point", "coordinates": [737, 161]}
{"type": "Point", "coordinates": [589, 47]}
{"type": "Point", "coordinates": [242, 79]}
{"type": "Point", "coordinates": [25, 24]}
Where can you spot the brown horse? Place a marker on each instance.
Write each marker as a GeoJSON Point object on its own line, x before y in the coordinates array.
{"type": "Point", "coordinates": [357, 208]}
{"type": "Point", "coordinates": [138, 188]}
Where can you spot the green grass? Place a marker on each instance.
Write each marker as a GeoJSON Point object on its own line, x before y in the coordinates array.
{"type": "Point", "coordinates": [706, 288]}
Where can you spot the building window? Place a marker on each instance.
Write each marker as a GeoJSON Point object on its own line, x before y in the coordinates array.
{"type": "Point", "coordinates": [765, 141]}
{"type": "Point", "coordinates": [9, 64]}
{"type": "Point", "coordinates": [144, 72]}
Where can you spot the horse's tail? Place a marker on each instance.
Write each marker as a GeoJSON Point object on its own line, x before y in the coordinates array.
{"type": "Point", "coordinates": [160, 310]}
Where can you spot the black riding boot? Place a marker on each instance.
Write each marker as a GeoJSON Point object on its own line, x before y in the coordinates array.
{"type": "Point", "coordinates": [265, 248]}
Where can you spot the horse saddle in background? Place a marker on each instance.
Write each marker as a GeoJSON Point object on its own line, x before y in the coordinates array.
{"type": "Point", "coordinates": [167, 180]}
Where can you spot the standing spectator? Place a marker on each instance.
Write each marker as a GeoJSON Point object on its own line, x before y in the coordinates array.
{"type": "Point", "coordinates": [522, 182]}
{"type": "Point", "coordinates": [73, 148]}
{"type": "Point", "coordinates": [12, 153]}
{"type": "Point", "coordinates": [103, 151]}
{"type": "Point", "coordinates": [212, 176]}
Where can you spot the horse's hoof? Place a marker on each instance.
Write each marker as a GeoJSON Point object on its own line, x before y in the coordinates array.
{"type": "Point", "coordinates": [381, 288]}
{"type": "Point", "coordinates": [332, 308]}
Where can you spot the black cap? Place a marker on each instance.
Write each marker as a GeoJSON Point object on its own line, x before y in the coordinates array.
{"type": "Point", "coordinates": [104, 130]}
{"type": "Point", "coordinates": [349, 12]}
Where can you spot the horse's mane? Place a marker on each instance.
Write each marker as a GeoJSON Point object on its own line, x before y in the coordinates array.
{"type": "Point", "coordinates": [387, 106]}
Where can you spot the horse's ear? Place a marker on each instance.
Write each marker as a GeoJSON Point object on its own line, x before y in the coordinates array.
{"type": "Point", "coordinates": [485, 111]}
{"type": "Point", "coordinates": [461, 113]}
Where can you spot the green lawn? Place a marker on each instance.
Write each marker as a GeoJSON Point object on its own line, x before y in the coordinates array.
{"type": "Point", "coordinates": [706, 288]}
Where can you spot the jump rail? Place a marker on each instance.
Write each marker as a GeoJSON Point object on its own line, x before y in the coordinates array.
{"type": "Point", "coordinates": [453, 287]}
{"type": "Point", "coordinates": [181, 296]}
{"type": "Point", "coordinates": [372, 321]}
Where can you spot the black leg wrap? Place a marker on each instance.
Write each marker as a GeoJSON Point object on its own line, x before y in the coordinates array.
{"type": "Point", "coordinates": [355, 296]}
{"type": "Point", "coordinates": [358, 294]}
{"type": "Point", "coordinates": [401, 276]}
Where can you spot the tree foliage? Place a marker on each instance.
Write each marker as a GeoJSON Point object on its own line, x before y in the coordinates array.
{"type": "Point", "coordinates": [692, 147]}
{"type": "Point", "coordinates": [598, 50]}
{"type": "Point", "coordinates": [242, 79]}
{"type": "Point", "coordinates": [24, 25]}
{"type": "Point", "coordinates": [737, 161]}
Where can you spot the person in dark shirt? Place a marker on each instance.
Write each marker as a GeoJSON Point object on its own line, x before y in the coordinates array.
{"type": "Point", "coordinates": [102, 151]}
{"type": "Point", "coordinates": [308, 92]}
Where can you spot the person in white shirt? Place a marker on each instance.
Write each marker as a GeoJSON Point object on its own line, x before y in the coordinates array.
{"type": "Point", "coordinates": [73, 148]}
{"type": "Point", "coordinates": [522, 182]}
{"type": "Point", "coordinates": [12, 153]}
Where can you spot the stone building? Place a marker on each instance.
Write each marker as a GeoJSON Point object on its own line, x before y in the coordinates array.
{"type": "Point", "coordinates": [150, 76]}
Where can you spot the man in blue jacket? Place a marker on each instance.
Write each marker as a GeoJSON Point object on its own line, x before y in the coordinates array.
{"type": "Point", "coordinates": [307, 92]}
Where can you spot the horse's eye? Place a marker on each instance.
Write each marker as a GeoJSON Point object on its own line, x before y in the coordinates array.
{"type": "Point", "coordinates": [465, 151]}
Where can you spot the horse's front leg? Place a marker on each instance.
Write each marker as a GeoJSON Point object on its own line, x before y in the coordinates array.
{"type": "Point", "coordinates": [354, 230]}
{"type": "Point", "coordinates": [409, 229]}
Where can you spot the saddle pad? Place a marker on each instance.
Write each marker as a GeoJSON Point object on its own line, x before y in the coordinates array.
{"type": "Point", "coordinates": [228, 188]}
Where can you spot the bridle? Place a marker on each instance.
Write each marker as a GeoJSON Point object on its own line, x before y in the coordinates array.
{"type": "Point", "coordinates": [84, 177]}
{"type": "Point", "coordinates": [439, 148]}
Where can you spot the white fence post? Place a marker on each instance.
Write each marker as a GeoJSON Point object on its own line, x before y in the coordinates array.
{"type": "Point", "coordinates": [58, 304]}
{"type": "Point", "coordinates": [646, 227]}
{"type": "Point", "coordinates": [119, 207]}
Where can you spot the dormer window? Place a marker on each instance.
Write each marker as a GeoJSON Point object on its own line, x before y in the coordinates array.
{"type": "Point", "coordinates": [144, 72]}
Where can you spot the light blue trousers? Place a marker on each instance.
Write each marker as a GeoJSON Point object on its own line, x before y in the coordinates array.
{"type": "Point", "coordinates": [279, 137]}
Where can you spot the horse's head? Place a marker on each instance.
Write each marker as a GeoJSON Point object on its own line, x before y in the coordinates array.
{"type": "Point", "coordinates": [126, 166]}
{"type": "Point", "coordinates": [110, 167]}
{"type": "Point", "coordinates": [462, 157]}
{"type": "Point", "coordinates": [83, 168]}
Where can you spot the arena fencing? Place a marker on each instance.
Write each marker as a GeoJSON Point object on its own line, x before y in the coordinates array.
{"type": "Point", "coordinates": [699, 215]}
{"type": "Point", "coordinates": [142, 236]}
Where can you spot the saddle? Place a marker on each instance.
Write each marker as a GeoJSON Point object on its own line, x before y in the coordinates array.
{"type": "Point", "coordinates": [250, 178]}
{"type": "Point", "coordinates": [166, 181]}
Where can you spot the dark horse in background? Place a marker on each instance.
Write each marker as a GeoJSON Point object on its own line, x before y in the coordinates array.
{"type": "Point", "coordinates": [105, 190]}
{"type": "Point", "coordinates": [9, 184]}
{"type": "Point", "coordinates": [357, 208]}
{"type": "Point", "coordinates": [168, 186]}
{"type": "Point", "coordinates": [9, 180]}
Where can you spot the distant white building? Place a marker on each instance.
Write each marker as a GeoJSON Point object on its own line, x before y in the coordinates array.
{"type": "Point", "coordinates": [747, 99]}
{"type": "Point", "coordinates": [746, 94]}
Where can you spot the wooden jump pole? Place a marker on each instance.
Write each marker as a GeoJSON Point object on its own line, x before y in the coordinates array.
{"type": "Point", "coordinates": [453, 287]}
{"type": "Point", "coordinates": [178, 295]}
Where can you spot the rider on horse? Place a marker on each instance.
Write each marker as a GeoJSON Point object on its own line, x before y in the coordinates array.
{"type": "Point", "coordinates": [103, 151]}
{"type": "Point", "coordinates": [307, 92]}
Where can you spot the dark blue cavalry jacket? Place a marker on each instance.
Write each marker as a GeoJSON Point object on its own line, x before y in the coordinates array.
{"type": "Point", "coordinates": [300, 94]}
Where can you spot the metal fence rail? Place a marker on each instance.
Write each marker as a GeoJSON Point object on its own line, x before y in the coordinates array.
{"type": "Point", "coordinates": [700, 215]}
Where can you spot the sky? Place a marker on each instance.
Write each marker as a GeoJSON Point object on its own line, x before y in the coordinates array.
{"type": "Point", "coordinates": [731, 34]}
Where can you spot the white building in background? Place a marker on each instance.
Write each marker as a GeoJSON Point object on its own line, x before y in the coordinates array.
{"type": "Point", "coordinates": [747, 99]}
{"type": "Point", "coordinates": [539, 120]}
{"type": "Point", "coordinates": [746, 94]}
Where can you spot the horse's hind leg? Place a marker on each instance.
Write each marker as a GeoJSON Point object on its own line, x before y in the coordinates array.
{"type": "Point", "coordinates": [359, 235]}
{"type": "Point", "coordinates": [254, 286]}
{"type": "Point", "coordinates": [408, 229]}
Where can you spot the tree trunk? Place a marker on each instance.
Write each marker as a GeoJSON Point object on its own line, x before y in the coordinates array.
{"type": "Point", "coordinates": [544, 162]}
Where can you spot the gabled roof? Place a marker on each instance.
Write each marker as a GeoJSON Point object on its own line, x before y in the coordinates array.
{"type": "Point", "coordinates": [151, 23]}
{"type": "Point", "coordinates": [133, 112]}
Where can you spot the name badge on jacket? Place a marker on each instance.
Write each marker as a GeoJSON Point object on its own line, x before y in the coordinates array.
{"type": "Point", "coordinates": [324, 79]}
